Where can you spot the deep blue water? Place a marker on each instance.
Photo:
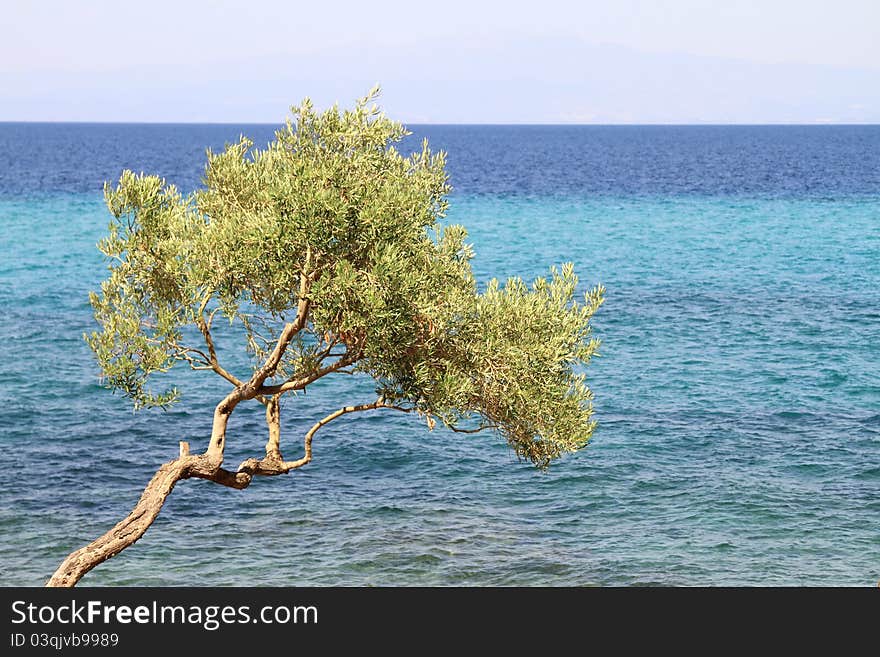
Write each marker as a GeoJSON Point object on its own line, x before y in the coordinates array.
{"type": "Point", "coordinates": [738, 392]}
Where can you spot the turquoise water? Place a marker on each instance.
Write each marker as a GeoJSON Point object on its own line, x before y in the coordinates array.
{"type": "Point", "coordinates": [737, 395]}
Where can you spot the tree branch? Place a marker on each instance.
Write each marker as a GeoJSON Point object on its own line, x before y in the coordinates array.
{"type": "Point", "coordinates": [475, 430]}
{"type": "Point", "coordinates": [273, 464]}
{"type": "Point", "coordinates": [273, 421]}
{"type": "Point", "coordinates": [202, 362]}
{"type": "Point", "coordinates": [307, 441]}
{"type": "Point", "coordinates": [302, 382]}
{"type": "Point", "coordinates": [324, 353]}
{"type": "Point", "coordinates": [212, 360]}
{"type": "Point", "coordinates": [253, 387]}
{"type": "Point", "coordinates": [290, 330]}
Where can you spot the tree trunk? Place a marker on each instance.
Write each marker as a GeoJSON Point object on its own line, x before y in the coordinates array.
{"type": "Point", "coordinates": [125, 532]}
{"type": "Point", "coordinates": [136, 523]}
{"type": "Point", "coordinates": [203, 466]}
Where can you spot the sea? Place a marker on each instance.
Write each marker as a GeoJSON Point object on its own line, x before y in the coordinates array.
{"type": "Point", "coordinates": [737, 393]}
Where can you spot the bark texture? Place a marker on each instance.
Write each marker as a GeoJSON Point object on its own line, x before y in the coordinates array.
{"type": "Point", "coordinates": [186, 466]}
{"type": "Point", "coordinates": [127, 531]}
{"type": "Point", "coordinates": [135, 524]}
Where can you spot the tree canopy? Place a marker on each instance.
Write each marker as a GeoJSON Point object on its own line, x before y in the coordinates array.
{"type": "Point", "coordinates": [327, 248]}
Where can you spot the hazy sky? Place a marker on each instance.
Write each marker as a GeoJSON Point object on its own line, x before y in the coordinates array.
{"type": "Point", "coordinates": [550, 61]}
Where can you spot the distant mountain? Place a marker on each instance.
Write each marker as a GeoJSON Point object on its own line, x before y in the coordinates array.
{"type": "Point", "coordinates": [488, 80]}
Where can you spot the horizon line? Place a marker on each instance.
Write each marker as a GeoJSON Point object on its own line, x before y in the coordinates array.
{"type": "Point", "coordinates": [818, 124]}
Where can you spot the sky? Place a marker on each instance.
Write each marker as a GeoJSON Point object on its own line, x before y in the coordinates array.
{"type": "Point", "coordinates": [449, 61]}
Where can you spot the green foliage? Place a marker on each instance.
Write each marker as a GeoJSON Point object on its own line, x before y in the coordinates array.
{"type": "Point", "coordinates": [330, 219]}
{"type": "Point", "coordinates": [512, 359]}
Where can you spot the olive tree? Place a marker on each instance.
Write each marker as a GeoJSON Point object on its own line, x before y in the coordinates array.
{"type": "Point", "coordinates": [327, 250]}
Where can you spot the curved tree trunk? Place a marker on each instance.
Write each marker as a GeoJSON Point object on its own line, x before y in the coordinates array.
{"type": "Point", "coordinates": [207, 465]}
{"type": "Point", "coordinates": [136, 523]}
{"type": "Point", "coordinates": [125, 532]}
{"type": "Point", "coordinates": [203, 466]}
